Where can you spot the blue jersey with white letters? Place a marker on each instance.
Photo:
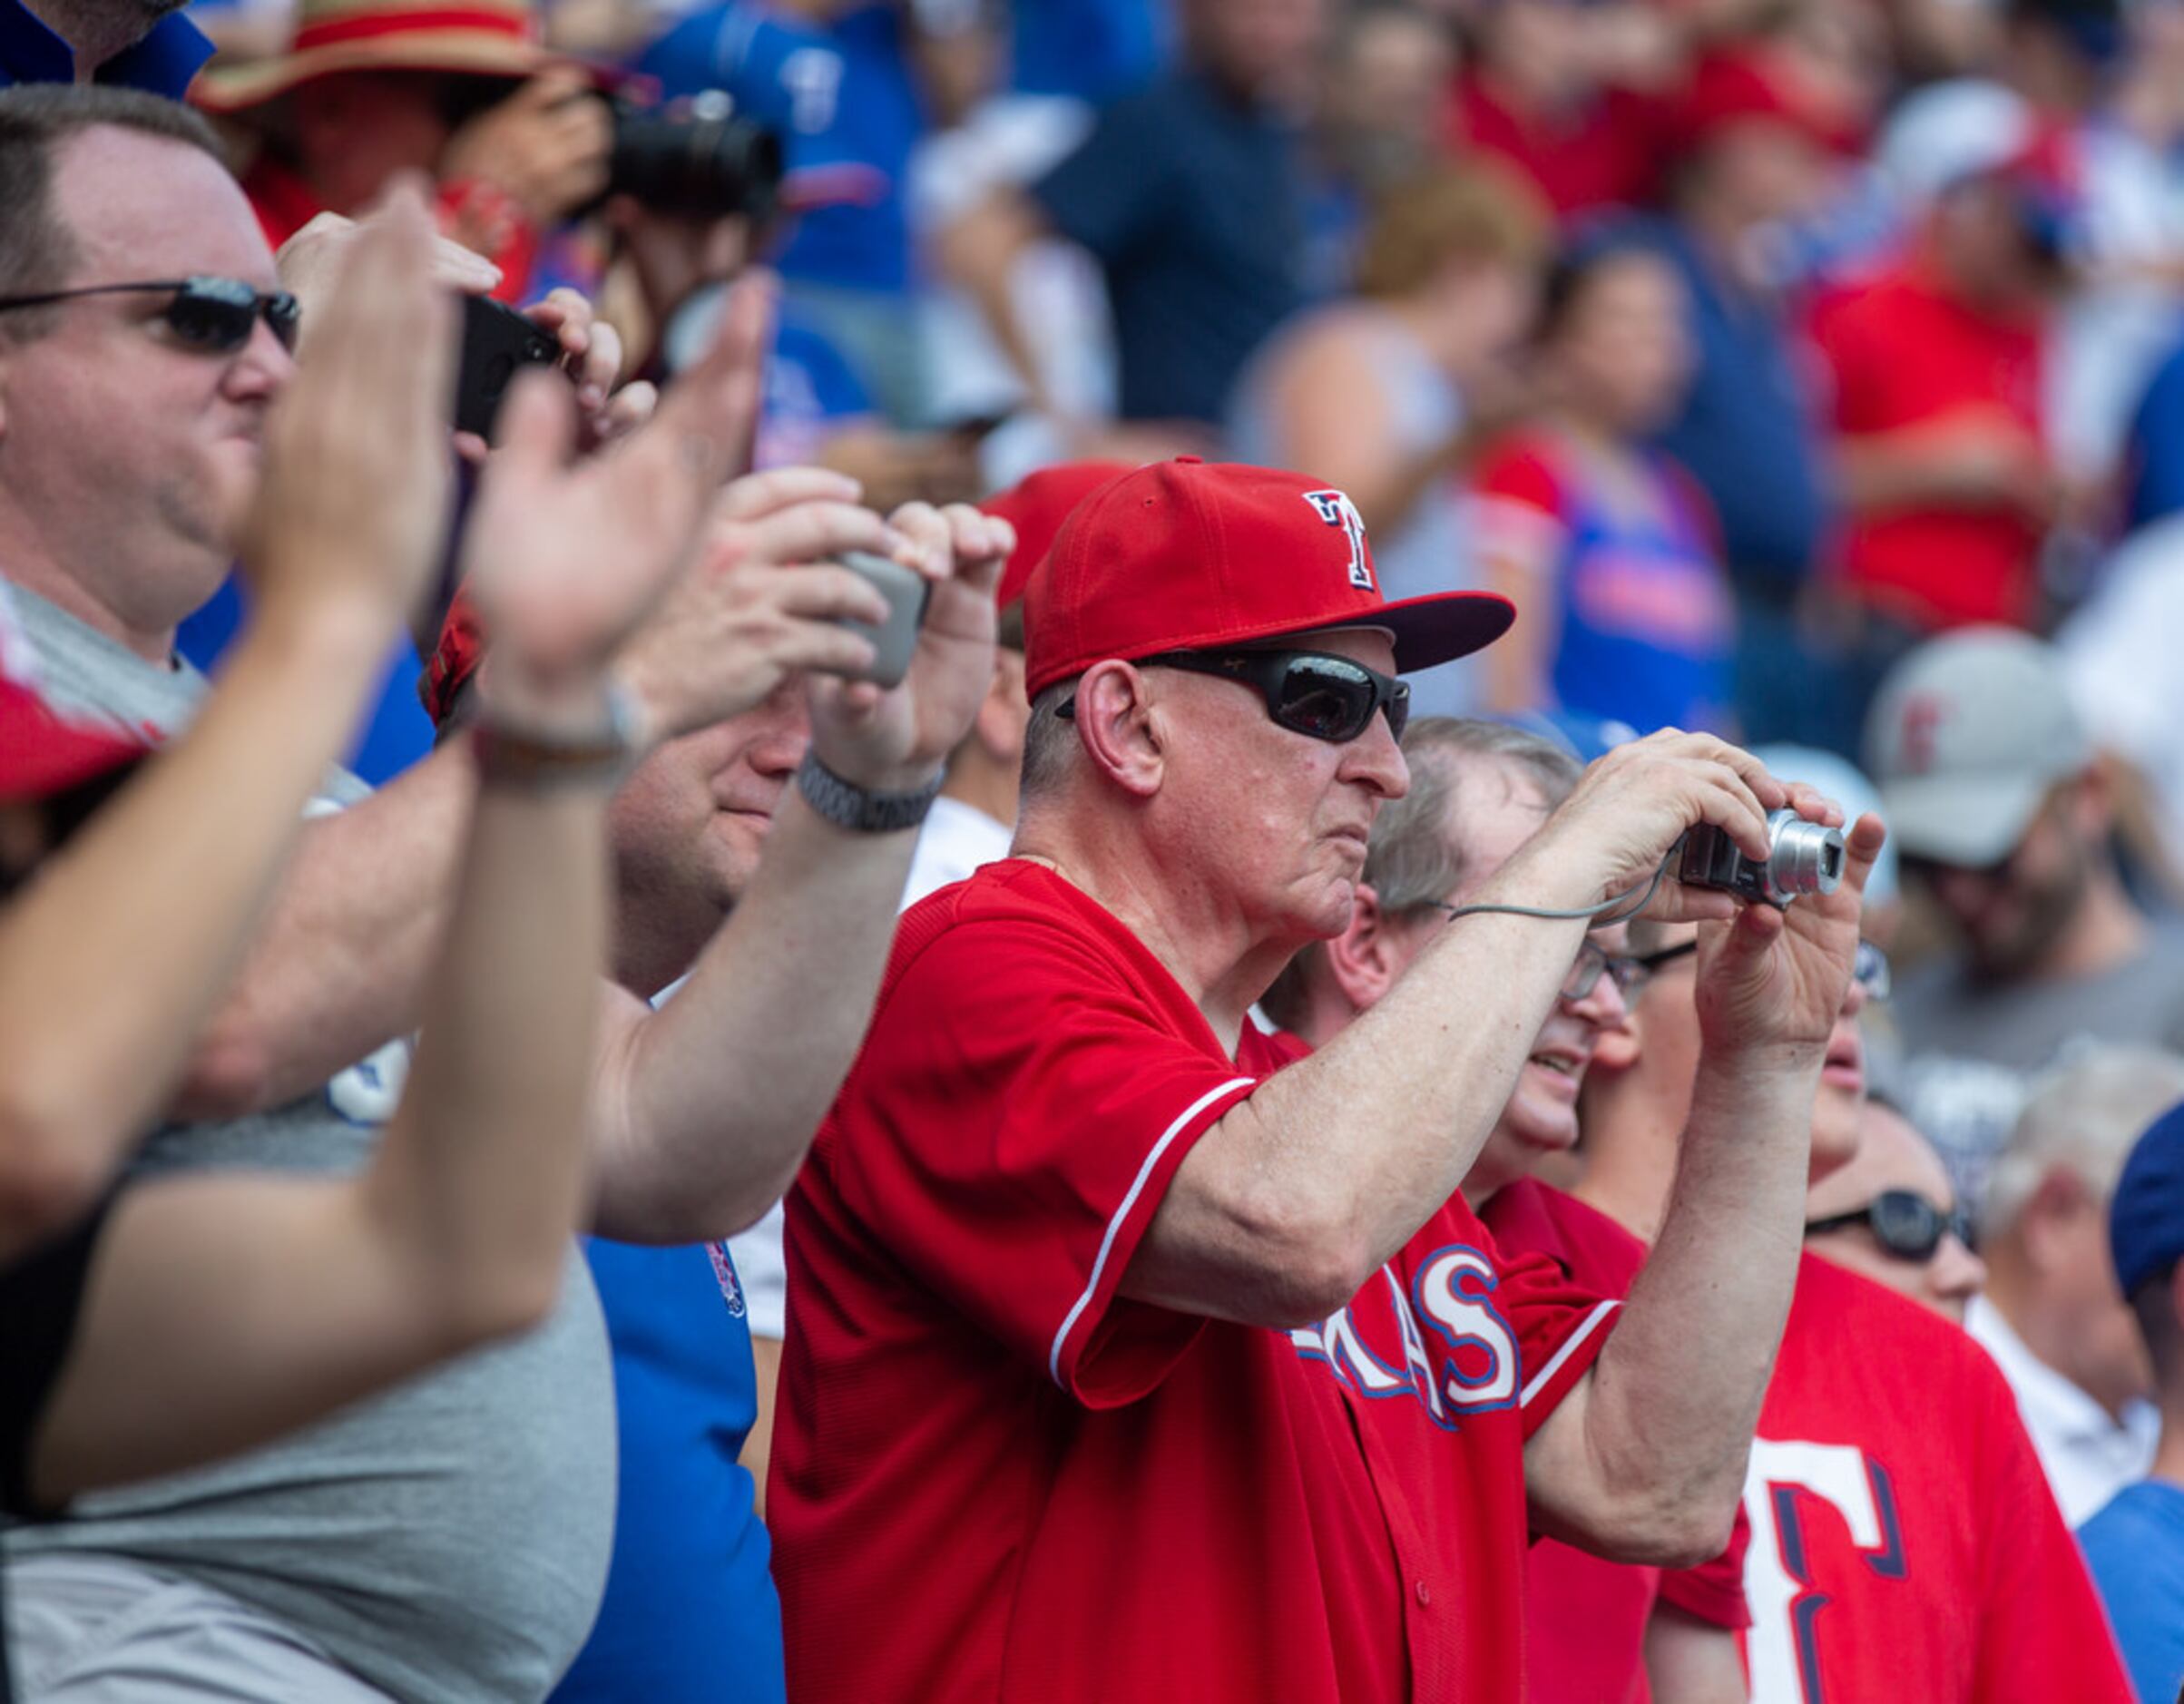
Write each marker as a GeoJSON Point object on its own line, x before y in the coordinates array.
{"type": "Point", "coordinates": [847, 113]}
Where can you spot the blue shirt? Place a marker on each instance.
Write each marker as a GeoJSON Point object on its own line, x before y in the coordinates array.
{"type": "Point", "coordinates": [810, 393]}
{"type": "Point", "coordinates": [1747, 432]}
{"type": "Point", "coordinates": [2135, 1550]}
{"type": "Point", "coordinates": [849, 115]}
{"type": "Point", "coordinates": [1192, 201]}
{"type": "Point", "coordinates": [1096, 50]}
{"type": "Point", "coordinates": [397, 731]}
{"type": "Point", "coordinates": [691, 1613]}
{"type": "Point", "coordinates": [163, 63]}
{"type": "Point", "coordinates": [2154, 452]}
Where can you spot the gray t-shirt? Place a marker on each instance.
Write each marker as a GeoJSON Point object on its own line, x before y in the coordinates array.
{"type": "Point", "coordinates": [1972, 1051]}
{"type": "Point", "coordinates": [448, 1541]}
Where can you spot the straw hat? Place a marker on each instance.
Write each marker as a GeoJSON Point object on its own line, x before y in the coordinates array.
{"type": "Point", "coordinates": [488, 38]}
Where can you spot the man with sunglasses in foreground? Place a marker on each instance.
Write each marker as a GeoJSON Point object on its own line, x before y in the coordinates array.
{"type": "Point", "coordinates": [1132, 1356]}
{"type": "Point", "coordinates": [1479, 789]}
{"type": "Point", "coordinates": [1904, 1540]}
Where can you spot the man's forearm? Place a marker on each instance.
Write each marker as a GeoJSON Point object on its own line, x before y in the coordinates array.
{"type": "Point", "coordinates": [338, 968]}
{"type": "Point", "coordinates": [1676, 1394]}
{"type": "Point", "coordinates": [707, 1107]}
{"type": "Point", "coordinates": [1305, 1189]}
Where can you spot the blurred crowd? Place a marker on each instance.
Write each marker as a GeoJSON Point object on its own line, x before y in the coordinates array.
{"type": "Point", "coordinates": [527, 827]}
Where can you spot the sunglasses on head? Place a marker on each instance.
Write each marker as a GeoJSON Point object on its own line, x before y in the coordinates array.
{"type": "Point", "coordinates": [1903, 1222]}
{"type": "Point", "coordinates": [1311, 692]}
{"type": "Point", "coordinates": [212, 314]}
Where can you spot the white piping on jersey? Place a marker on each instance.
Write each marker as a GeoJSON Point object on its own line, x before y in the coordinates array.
{"type": "Point", "coordinates": [1570, 1348]}
{"type": "Point", "coordinates": [1115, 1224]}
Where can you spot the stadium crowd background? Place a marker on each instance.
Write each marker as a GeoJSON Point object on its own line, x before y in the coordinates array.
{"type": "Point", "coordinates": [1808, 372]}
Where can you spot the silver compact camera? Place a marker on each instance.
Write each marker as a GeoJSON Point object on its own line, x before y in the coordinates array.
{"type": "Point", "coordinates": [1802, 858]}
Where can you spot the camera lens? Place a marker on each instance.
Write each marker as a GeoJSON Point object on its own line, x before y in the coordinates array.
{"type": "Point", "coordinates": [1802, 858]}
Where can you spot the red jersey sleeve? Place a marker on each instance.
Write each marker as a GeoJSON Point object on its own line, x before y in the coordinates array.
{"type": "Point", "coordinates": [1039, 1093]}
{"type": "Point", "coordinates": [1714, 1590]}
{"type": "Point", "coordinates": [2043, 1634]}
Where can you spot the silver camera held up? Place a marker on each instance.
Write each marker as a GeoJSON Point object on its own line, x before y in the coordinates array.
{"type": "Point", "coordinates": [1802, 858]}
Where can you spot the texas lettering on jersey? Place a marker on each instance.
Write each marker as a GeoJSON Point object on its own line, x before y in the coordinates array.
{"type": "Point", "coordinates": [1786, 1485]}
{"type": "Point", "coordinates": [1440, 1342]}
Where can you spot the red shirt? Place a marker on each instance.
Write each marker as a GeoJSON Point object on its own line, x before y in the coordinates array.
{"type": "Point", "coordinates": [1904, 1542]}
{"type": "Point", "coordinates": [1605, 153]}
{"type": "Point", "coordinates": [285, 204]}
{"type": "Point", "coordinates": [995, 1479]}
{"type": "Point", "coordinates": [1585, 1617]}
{"type": "Point", "coordinates": [1903, 353]}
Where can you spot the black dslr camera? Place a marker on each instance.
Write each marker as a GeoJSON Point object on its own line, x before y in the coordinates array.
{"type": "Point", "coordinates": [695, 157]}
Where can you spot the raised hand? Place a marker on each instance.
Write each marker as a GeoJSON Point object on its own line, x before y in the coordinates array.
{"type": "Point", "coordinates": [761, 601]}
{"type": "Point", "coordinates": [566, 558]}
{"type": "Point", "coordinates": [1770, 979]}
{"type": "Point", "coordinates": [355, 495]}
{"type": "Point", "coordinates": [1610, 834]}
{"type": "Point", "coordinates": [894, 740]}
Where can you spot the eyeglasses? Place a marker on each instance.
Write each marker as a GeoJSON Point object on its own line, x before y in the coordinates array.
{"type": "Point", "coordinates": [1593, 962]}
{"type": "Point", "coordinates": [212, 314]}
{"type": "Point", "coordinates": [1310, 692]}
{"type": "Point", "coordinates": [1903, 1222]}
{"type": "Point", "coordinates": [1870, 969]}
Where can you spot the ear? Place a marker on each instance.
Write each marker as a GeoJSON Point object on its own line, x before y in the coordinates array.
{"type": "Point", "coordinates": [1367, 956]}
{"type": "Point", "coordinates": [1004, 714]}
{"type": "Point", "coordinates": [2044, 1224]}
{"type": "Point", "coordinates": [2092, 802]}
{"type": "Point", "coordinates": [1116, 726]}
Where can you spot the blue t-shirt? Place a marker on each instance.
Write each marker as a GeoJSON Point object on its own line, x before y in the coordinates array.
{"type": "Point", "coordinates": [2154, 451]}
{"type": "Point", "coordinates": [847, 113]}
{"type": "Point", "coordinates": [1747, 432]}
{"type": "Point", "coordinates": [691, 1615]}
{"type": "Point", "coordinates": [1192, 201]}
{"type": "Point", "coordinates": [2135, 1550]}
{"type": "Point", "coordinates": [397, 731]}
{"type": "Point", "coordinates": [1096, 50]}
{"type": "Point", "coordinates": [811, 390]}
{"type": "Point", "coordinates": [162, 63]}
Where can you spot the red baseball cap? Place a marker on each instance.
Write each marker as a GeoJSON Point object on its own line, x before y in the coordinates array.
{"type": "Point", "coordinates": [1036, 506]}
{"type": "Point", "coordinates": [41, 755]}
{"type": "Point", "coordinates": [1732, 88]}
{"type": "Point", "coordinates": [1188, 555]}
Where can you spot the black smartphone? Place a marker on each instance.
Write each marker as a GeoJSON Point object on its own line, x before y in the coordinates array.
{"type": "Point", "coordinates": [496, 342]}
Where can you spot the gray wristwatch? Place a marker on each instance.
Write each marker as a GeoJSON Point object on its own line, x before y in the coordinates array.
{"type": "Point", "coordinates": [850, 806]}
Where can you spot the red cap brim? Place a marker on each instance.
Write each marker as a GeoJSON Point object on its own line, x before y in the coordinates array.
{"type": "Point", "coordinates": [1437, 627]}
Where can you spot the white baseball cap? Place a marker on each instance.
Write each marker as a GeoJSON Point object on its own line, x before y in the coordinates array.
{"type": "Point", "coordinates": [1966, 738]}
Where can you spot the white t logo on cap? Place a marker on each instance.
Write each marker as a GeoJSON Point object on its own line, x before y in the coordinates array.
{"type": "Point", "coordinates": [1336, 509]}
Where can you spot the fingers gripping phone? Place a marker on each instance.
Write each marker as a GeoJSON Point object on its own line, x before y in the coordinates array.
{"type": "Point", "coordinates": [894, 640]}
{"type": "Point", "coordinates": [497, 342]}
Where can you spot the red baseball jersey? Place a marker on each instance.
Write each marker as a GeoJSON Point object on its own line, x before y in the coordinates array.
{"type": "Point", "coordinates": [1904, 1542]}
{"type": "Point", "coordinates": [1585, 1617]}
{"type": "Point", "coordinates": [994, 1478]}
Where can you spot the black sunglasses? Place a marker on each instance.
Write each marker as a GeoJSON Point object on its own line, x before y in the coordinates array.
{"type": "Point", "coordinates": [1310, 692]}
{"type": "Point", "coordinates": [1903, 1222]}
{"type": "Point", "coordinates": [213, 314]}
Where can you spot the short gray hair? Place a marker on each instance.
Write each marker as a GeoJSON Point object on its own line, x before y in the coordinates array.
{"type": "Point", "coordinates": [1049, 740]}
{"type": "Point", "coordinates": [2085, 1116]}
{"type": "Point", "coordinates": [37, 249]}
{"type": "Point", "coordinates": [1414, 861]}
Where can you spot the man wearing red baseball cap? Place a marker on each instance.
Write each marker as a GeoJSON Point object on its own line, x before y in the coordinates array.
{"type": "Point", "coordinates": [1133, 1356]}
